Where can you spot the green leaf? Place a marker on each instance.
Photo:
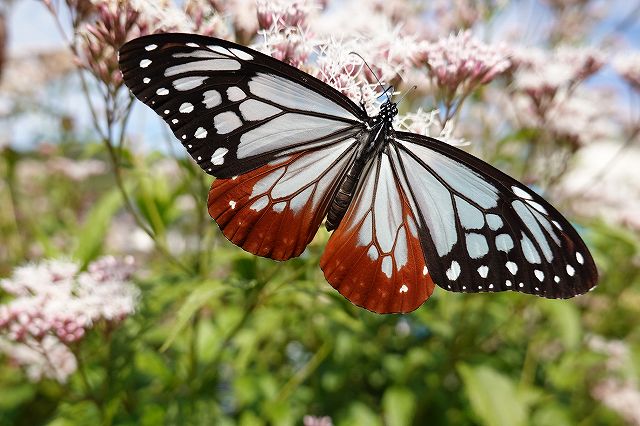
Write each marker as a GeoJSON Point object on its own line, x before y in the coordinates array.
{"type": "Point", "coordinates": [197, 299]}
{"type": "Point", "coordinates": [399, 406]}
{"type": "Point", "coordinates": [95, 226]}
{"type": "Point", "coordinates": [494, 397]}
{"type": "Point", "coordinates": [565, 321]}
{"type": "Point", "coordinates": [360, 414]}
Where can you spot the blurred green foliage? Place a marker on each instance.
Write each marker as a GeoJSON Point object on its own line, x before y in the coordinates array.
{"type": "Point", "coordinates": [223, 337]}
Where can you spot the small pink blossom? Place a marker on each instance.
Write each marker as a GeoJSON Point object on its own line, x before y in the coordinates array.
{"type": "Point", "coordinates": [317, 421]}
{"type": "Point", "coordinates": [77, 170]}
{"type": "Point", "coordinates": [285, 13]}
{"type": "Point", "coordinates": [628, 66]}
{"type": "Point", "coordinates": [290, 45]}
{"type": "Point", "coordinates": [206, 19]}
{"type": "Point", "coordinates": [541, 74]}
{"type": "Point", "coordinates": [45, 358]}
{"type": "Point", "coordinates": [621, 396]}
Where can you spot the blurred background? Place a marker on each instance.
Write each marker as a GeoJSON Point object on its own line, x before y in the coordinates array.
{"type": "Point", "coordinates": [122, 303]}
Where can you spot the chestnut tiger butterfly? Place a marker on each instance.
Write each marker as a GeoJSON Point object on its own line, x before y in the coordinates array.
{"type": "Point", "coordinates": [407, 211]}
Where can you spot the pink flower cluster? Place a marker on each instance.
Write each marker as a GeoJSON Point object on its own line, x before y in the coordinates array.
{"type": "Point", "coordinates": [54, 298]}
{"type": "Point", "coordinates": [284, 29]}
{"type": "Point", "coordinates": [461, 61]}
{"type": "Point", "coordinates": [55, 304]}
{"type": "Point", "coordinates": [541, 75]}
{"type": "Point", "coordinates": [114, 24]}
{"type": "Point", "coordinates": [621, 395]}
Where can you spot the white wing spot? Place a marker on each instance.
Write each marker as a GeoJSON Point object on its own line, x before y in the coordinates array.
{"type": "Point", "coordinates": [218, 156]}
{"type": "Point", "coordinates": [151, 47]}
{"type": "Point", "coordinates": [537, 206]}
{"type": "Point", "coordinates": [199, 158]}
{"type": "Point", "coordinates": [556, 279]}
{"type": "Point", "coordinates": [539, 274]}
{"type": "Point", "coordinates": [387, 266]}
{"type": "Point", "coordinates": [174, 121]}
{"type": "Point", "coordinates": [404, 288]}
{"type": "Point", "coordinates": [508, 283]}
{"type": "Point", "coordinates": [260, 203]}
{"type": "Point", "coordinates": [521, 285]}
{"type": "Point", "coordinates": [494, 221]}
{"type": "Point", "coordinates": [145, 63]}
{"type": "Point", "coordinates": [219, 49]}
{"type": "Point", "coordinates": [479, 287]}
{"type": "Point", "coordinates": [188, 83]}
{"type": "Point", "coordinates": [241, 54]}
{"type": "Point", "coordinates": [232, 204]}
{"type": "Point", "coordinates": [425, 271]}
{"type": "Point", "coordinates": [477, 246]}
{"type": "Point", "coordinates": [162, 91]}
{"type": "Point", "coordinates": [454, 271]}
{"type": "Point", "coordinates": [483, 271]}
{"type": "Point", "coordinates": [464, 287]}
{"type": "Point", "coordinates": [556, 224]}
{"type": "Point", "coordinates": [490, 285]}
{"type": "Point", "coordinates": [570, 270]}
{"type": "Point", "coordinates": [186, 108]}
{"type": "Point", "coordinates": [203, 66]}
{"type": "Point", "coordinates": [200, 133]}
{"type": "Point", "coordinates": [521, 193]}
{"type": "Point", "coordinates": [235, 94]}
{"type": "Point", "coordinates": [373, 253]}
{"type": "Point", "coordinates": [512, 267]}
{"type": "Point", "coordinates": [579, 258]}
{"type": "Point", "coordinates": [189, 146]}
{"type": "Point", "coordinates": [146, 80]}
{"type": "Point", "coordinates": [184, 136]}
{"type": "Point", "coordinates": [253, 110]}
{"type": "Point", "coordinates": [193, 45]}
{"type": "Point", "coordinates": [166, 111]}
{"type": "Point", "coordinates": [212, 98]}
{"type": "Point", "coordinates": [226, 122]}
{"type": "Point", "coordinates": [504, 243]}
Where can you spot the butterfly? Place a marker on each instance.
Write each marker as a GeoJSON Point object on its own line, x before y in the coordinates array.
{"type": "Point", "coordinates": [407, 211]}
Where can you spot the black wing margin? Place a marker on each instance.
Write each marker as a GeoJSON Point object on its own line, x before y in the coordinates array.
{"type": "Point", "coordinates": [483, 231]}
{"type": "Point", "coordinates": [234, 109]}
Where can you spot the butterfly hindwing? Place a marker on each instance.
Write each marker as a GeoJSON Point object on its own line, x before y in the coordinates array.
{"type": "Point", "coordinates": [234, 109]}
{"type": "Point", "coordinates": [375, 258]}
{"type": "Point", "coordinates": [485, 231]}
{"type": "Point", "coordinates": [275, 210]}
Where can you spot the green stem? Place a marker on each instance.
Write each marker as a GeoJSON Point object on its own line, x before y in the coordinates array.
{"type": "Point", "coordinates": [301, 375]}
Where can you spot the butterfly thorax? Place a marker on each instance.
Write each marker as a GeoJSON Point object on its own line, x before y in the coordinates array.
{"type": "Point", "coordinates": [371, 140]}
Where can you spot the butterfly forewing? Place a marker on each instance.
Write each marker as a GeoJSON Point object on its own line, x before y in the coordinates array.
{"type": "Point", "coordinates": [234, 109]}
{"type": "Point", "coordinates": [275, 210]}
{"type": "Point", "coordinates": [375, 258]}
{"type": "Point", "coordinates": [485, 231]}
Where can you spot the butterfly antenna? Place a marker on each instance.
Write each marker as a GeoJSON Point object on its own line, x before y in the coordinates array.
{"type": "Point", "coordinates": [372, 73]}
{"type": "Point", "coordinates": [414, 87]}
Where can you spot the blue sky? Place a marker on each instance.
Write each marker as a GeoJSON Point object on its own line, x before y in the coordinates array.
{"type": "Point", "coordinates": [27, 15]}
